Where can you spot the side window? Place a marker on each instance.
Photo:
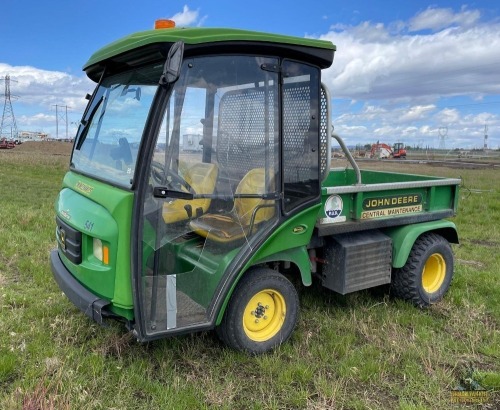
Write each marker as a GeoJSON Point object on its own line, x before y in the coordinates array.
{"type": "Point", "coordinates": [300, 134]}
{"type": "Point", "coordinates": [191, 138]}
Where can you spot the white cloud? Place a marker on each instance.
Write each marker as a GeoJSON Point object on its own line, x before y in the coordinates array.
{"type": "Point", "coordinates": [38, 120]}
{"type": "Point", "coordinates": [35, 93]}
{"type": "Point", "coordinates": [417, 112]}
{"type": "Point", "coordinates": [438, 18]}
{"type": "Point", "coordinates": [408, 72]}
{"type": "Point", "coordinates": [371, 63]}
{"type": "Point", "coordinates": [448, 116]}
{"type": "Point", "coordinates": [186, 17]}
{"type": "Point", "coordinates": [398, 73]}
{"type": "Point", "coordinates": [34, 86]}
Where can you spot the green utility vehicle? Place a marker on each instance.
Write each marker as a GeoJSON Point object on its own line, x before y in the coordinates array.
{"type": "Point", "coordinates": [200, 184]}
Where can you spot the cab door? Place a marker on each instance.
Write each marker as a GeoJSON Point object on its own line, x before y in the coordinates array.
{"type": "Point", "coordinates": [213, 188]}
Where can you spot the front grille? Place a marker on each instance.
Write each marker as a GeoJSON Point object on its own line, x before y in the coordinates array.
{"type": "Point", "coordinates": [69, 241]}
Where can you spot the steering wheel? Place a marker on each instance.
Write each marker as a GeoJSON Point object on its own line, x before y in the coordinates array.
{"type": "Point", "coordinates": [162, 178]}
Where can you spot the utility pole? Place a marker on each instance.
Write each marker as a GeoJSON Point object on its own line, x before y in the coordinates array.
{"type": "Point", "coordinates": [8, 118]}
{"type": "Point", "coordinates": [61, 115]}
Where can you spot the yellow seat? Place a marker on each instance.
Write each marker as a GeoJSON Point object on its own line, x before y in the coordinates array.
{"type": "Point", "coordinates": [246, 215]}
{"type": "Point", "coordinates": [202, 178]}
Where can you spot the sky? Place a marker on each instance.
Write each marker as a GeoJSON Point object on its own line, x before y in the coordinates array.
{"type": "Point", "coordinates": [419, 72]}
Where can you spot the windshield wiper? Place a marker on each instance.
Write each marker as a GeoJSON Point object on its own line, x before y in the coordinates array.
{"type": "Point", "coordinates": [86, 124]}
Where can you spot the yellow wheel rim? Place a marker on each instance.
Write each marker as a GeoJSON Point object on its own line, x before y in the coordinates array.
{"type": "Point", "coordinates": [434, 273]}
{"type": "Point", "coordinates": [264, 315]}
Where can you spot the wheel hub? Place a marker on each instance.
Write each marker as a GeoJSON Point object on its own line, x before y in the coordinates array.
{"type": "Point", "coordinates": [260, 311]}
{"type": "Point", "coordinates": [434, 273]}
{"type": "Point", "coordinates": [264, 315]}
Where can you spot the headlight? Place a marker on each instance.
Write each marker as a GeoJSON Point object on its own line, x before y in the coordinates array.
{"type": "Point", "coordinates": [101, 252]}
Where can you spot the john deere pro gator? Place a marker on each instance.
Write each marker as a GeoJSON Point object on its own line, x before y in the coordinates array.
{"type": "Point", "coordinates": [200, 183]}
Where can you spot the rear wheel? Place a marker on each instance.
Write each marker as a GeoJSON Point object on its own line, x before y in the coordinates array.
{"type": "Point", "coordinates": [262, 312]}
{"type": "Point", "coordinates": [428, 272]}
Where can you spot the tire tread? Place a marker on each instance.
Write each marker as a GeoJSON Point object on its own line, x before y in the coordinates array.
{"type": "Point", "coordinates": [406, 281]}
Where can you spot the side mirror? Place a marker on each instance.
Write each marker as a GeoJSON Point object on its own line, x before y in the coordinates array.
{"type": "Point", "coordinates": [172, 68]}
{"type": "Point", "coordinates": [137, 92]}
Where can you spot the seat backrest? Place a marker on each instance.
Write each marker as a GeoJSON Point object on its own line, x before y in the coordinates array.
{"type": "Point", "coordinates": [202, 177]}
{"type": "Point", "coordinates": [254, 182]}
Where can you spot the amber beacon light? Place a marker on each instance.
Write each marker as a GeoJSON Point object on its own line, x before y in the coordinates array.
{"type": "Point", "coordinates": [164, 23]}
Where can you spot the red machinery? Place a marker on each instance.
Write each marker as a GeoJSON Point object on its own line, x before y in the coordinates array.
{"type": "Point", "coordinates": [6, 144]}
{"type": "Point", "coordinates": [381, 150]}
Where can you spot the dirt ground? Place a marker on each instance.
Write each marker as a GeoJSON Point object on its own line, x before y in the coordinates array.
{"type": "Point", "coordinates": [45, 147]}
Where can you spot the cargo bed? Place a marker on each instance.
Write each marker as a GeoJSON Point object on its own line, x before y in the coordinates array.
{"type": "Point", "coordinates": [355, 200]}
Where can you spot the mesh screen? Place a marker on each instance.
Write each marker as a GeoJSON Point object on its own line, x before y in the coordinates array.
{"type": "Point", "coordinates": [323, 134]}
{"type": "Point", "coordinates": [296, 125]}
{"type": "Point", "coordinates": [242, 129]}
{"type": "Point", "coordinates": [242, 125]}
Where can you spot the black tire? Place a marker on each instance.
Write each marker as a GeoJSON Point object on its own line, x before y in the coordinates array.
{"type": "Point", "coordinates": [424, 287]}
{"type": "Point", "coordinates": [261, 314]}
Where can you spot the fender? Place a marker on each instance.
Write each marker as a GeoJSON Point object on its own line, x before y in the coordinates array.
{"type": "Point", "coordinates": [288, 243]}
{"type": "Point", "coordinates": [299, 256]}
{"type": "Point", "coordinates": [403, 237]}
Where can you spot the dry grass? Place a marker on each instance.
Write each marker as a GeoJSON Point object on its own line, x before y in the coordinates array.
{"type": "Point", "coordinates": [48, 148]}
{"type": "Point", "coordinates": [358, 351]}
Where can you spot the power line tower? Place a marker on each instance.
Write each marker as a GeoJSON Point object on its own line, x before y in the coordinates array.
{"type": "Point", "coordinates": [61, 115]}
{"type": "Point", "coordinates": [443, 132]}
{"type": "Point", "coordinates": [485, 147]}
{"type": "Point", "coordinates": [8, 126]}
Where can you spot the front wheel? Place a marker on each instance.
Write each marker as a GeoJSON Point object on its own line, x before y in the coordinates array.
{"type": "Point", "coordinates": [428, 272]}
{"type": "Point", "coordinates": [262, 312]}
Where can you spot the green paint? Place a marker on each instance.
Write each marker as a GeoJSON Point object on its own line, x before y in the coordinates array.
{"type": "Point", "coordinates": [197, 35]}
{"type": "Point", "coordinates": [102, 211]}
{"type": "Point", "coordinates": [283, 238]}
{"type": "Point", "coordinates": [430, 198]}
{"type": "Point", "coordinates": [403, 237]}
{"type": "Point", "coordinates": [283, 245]}
{"type": "Point", "coordinates": [299, 256]}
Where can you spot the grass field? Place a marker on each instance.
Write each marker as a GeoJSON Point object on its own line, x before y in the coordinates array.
{"type": "Point", "coordinates": [361, 351]}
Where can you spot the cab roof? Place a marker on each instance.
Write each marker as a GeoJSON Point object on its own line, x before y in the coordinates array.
{"type": "Point", "coordinates": [153, 42]}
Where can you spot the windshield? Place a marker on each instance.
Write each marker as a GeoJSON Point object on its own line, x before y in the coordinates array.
{"type": "Point", "coordinates": [110, 132]}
